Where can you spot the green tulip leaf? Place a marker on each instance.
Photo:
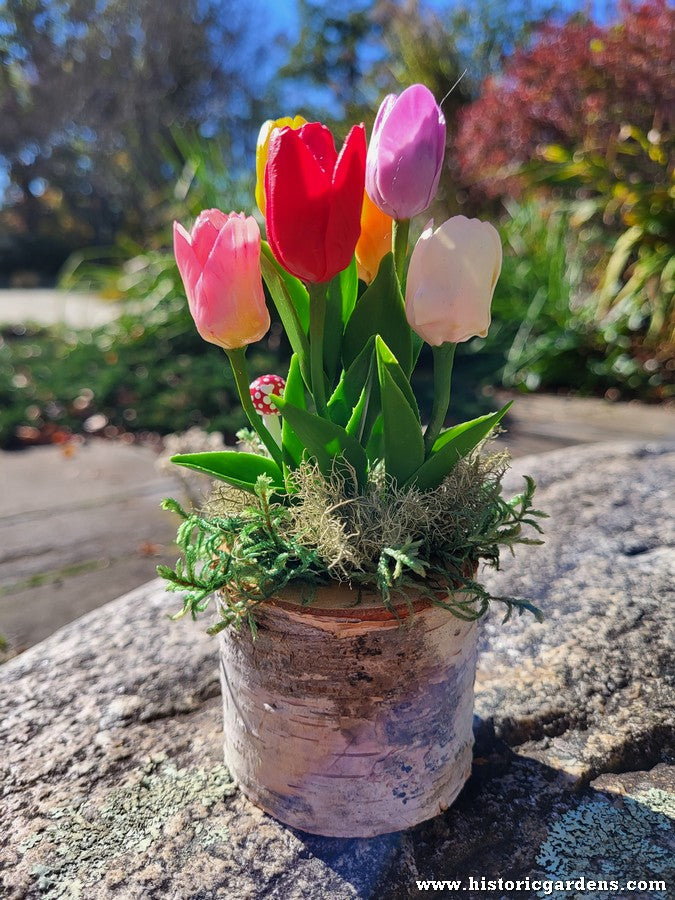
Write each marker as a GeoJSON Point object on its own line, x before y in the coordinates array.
{"type": "Point", "coordinates": [292, 447]}
{"type": "Point", "coordinates": [323, 440]}
{"type": "Point", "coordinates": [295, 288]}
{"type": "Point", "coordinates": [238, 469]}
{"type": "Point", "coordinates": [402, 431]}
{"type": "Point", "coordinates": [451, 446]}
{"type": "Point", "coordinates": [352, 382]}
{"type": "Point", "coordinates": [380, 310]}
{"type": "Point", "coordinates": [375, 445]}
{"type": "Point", "coordinates": [291, 300]}
{"type": "Point", "coordinates": [357, 421]}
{"type": "Point", "coordinates": [386, 359]}
{"type": "Point", "coordinates": [340, 301]}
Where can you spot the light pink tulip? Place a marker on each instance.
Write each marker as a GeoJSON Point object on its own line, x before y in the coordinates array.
{"type": "Point", "coordinates": [451, 279]}
{"type": "Point", "coordinates": [219, 262]}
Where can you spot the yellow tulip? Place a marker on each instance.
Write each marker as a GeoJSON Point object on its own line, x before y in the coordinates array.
{"type": "Point", "coordinates": [261, 152]}
{"type": "Point", "coordinates": [375, 239]}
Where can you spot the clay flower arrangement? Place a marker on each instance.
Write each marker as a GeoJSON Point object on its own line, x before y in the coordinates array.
{"type": "Point", "coordinates": [348, 540]}
{"type": "Point", "coordinates": [345, 484]}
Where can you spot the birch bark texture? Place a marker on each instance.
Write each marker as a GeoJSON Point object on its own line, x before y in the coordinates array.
{"type": "Point", "coordinates": [343, 721]}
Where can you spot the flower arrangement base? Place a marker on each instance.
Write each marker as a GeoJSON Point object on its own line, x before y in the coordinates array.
{"type": "Point", "coordinates": [342, 721]}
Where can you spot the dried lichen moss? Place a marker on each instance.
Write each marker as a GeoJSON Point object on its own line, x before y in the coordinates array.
{"type": "Point", "coordinates": [85, 841]}
{"type": "Point", "coordinates": [631, 838]}
{"type": "Point", "coordinates": [350, 529]}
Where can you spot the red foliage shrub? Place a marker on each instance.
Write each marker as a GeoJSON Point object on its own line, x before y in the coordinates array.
{"type": "Point", "coordinates": [576, 85]}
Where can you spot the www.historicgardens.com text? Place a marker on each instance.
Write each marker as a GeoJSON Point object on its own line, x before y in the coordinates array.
{"type": "Point", "coordinates": [544, 886]}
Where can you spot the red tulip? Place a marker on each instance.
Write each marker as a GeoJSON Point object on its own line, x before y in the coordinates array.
{"type": "Point", "coordinates": [314, 199]}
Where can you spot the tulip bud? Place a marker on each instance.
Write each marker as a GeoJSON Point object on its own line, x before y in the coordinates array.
{"type": "Point", "coordinates": [451, 279]}
{"type": "Point", "coordinates": [314, 199]}
{"type": "Point", "coordinates": [261, 150]}
{"type": "Point", "coordinates": [219, 262]}
{"type": "Point", "coordinates": [374, 241]}
{"type": "Point", "coordinates": [405, 155]}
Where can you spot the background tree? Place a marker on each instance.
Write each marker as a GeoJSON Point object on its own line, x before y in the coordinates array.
{"type": "Point", "coordinates": [89, 95]}
{"type": "Point", "coordinates": [350, 54]}
{"type": "Point", "coordinates": [575, 86]}
{"type": "Point", "coordinates": [332, 61]}
{"type": "Point", "coordinates": [587, 112]}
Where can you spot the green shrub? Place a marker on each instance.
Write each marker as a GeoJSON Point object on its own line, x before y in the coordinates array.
{"type": "Point", "coordinates": [628, 199]}
{"type": "Point", "coordinates": [547, 332]}
{"type": "Point", "coordinates": [148, 371]}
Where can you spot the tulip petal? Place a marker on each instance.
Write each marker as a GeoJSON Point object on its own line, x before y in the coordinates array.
{"type": "Point", "coordinates": [405, 156]}
{"type": "Point", "coordinates": [314, 200]}
{"type": "Point", "coordinates": [262, 146]}
{"type": "Point", "coordinates": [374, 241]}
{"type": "Point", "coordinates": [318, 139]}
{"type": "Point", "coordinates": [205, 231]}
{"type": "Point", "coordinates": [344, 220]}
{"type": "Point", "coordinates": [298, 200]}
{"type": "Point", "coordinates": [409, 147]}
{"type": "Point", "coordinates": [374, 154]}
{"type": "Point", "coordinates": [451, 279]}
{"type": "Point", "coordinates": [187, 262]}
{"type": "Point", "coordinates": [231, 309]}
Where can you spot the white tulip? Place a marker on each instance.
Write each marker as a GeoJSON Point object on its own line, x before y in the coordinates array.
{"type": "Point", "coordinates": [451, 279]}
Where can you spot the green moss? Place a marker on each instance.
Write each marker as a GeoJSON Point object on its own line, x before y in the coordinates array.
{"type": "Point", "coordinates": [85, 841]}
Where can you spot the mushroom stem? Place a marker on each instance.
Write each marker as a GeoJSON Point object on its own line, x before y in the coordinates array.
{"type": "Point", "coordinates": [273, 425]}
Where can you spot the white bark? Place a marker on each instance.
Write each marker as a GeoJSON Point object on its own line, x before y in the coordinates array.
{"type": "Point", "coordinates": [341, 722]}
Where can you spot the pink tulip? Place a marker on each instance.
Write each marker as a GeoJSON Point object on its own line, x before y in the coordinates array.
{"type": "Point", "coordinates": [219, 262]}
{"type": "Point", "coordinates": [451, 279]}
{"type": "Point", "coordinates": [405, 154]}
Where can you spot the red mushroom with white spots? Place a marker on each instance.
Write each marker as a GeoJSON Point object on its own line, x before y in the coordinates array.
{"type": "Point", "coordinates": [261, 389]}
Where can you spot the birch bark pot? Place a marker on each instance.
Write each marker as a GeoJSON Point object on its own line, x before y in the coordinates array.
{"type": "Point", "coordinates": [342, 722]}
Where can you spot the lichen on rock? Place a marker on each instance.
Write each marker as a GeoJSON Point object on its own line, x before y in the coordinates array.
{"type": "Point", "coordinates": [630, 838]}
{"type": "Point", "coordinates": [88, 842]}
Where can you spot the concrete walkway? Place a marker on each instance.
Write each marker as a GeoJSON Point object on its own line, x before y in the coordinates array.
{"type": "Point", "coordinates": [45, 306]}
{"type": "Point", "coordinates": [79, 525]}
{"type": "Point", "coordinates": [82, 525]}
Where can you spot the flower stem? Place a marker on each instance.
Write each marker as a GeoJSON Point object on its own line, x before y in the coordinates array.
{"type": "Point", "coordinates": [237, 359]}
{"type": "Point", "coordinates": [317, 321]}
{"type": "Point", "coordinates": [287, 311]}
{"type": "Point", "coordinates": [443, 359]}
{"type": "Point", "coordinates": [399, 244]}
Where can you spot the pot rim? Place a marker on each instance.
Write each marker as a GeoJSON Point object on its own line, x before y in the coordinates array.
{"type": "Point", "coordinates": [366, 606]}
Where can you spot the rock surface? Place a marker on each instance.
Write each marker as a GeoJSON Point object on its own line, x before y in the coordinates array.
{"type": "Point", "coordinates": [111, 783]}
{"type": "Point", "coordinates": [592, 690]}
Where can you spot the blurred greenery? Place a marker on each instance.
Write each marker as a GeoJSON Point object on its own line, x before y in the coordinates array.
{"type": "Point", "coordinates": [149, 371]}
{"type": "Point", "coordinates": [547, 325]}
{"type": "Point", "coordinates": [626, 191]}
{"type": "Point", "coordinates": [91, 94]}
